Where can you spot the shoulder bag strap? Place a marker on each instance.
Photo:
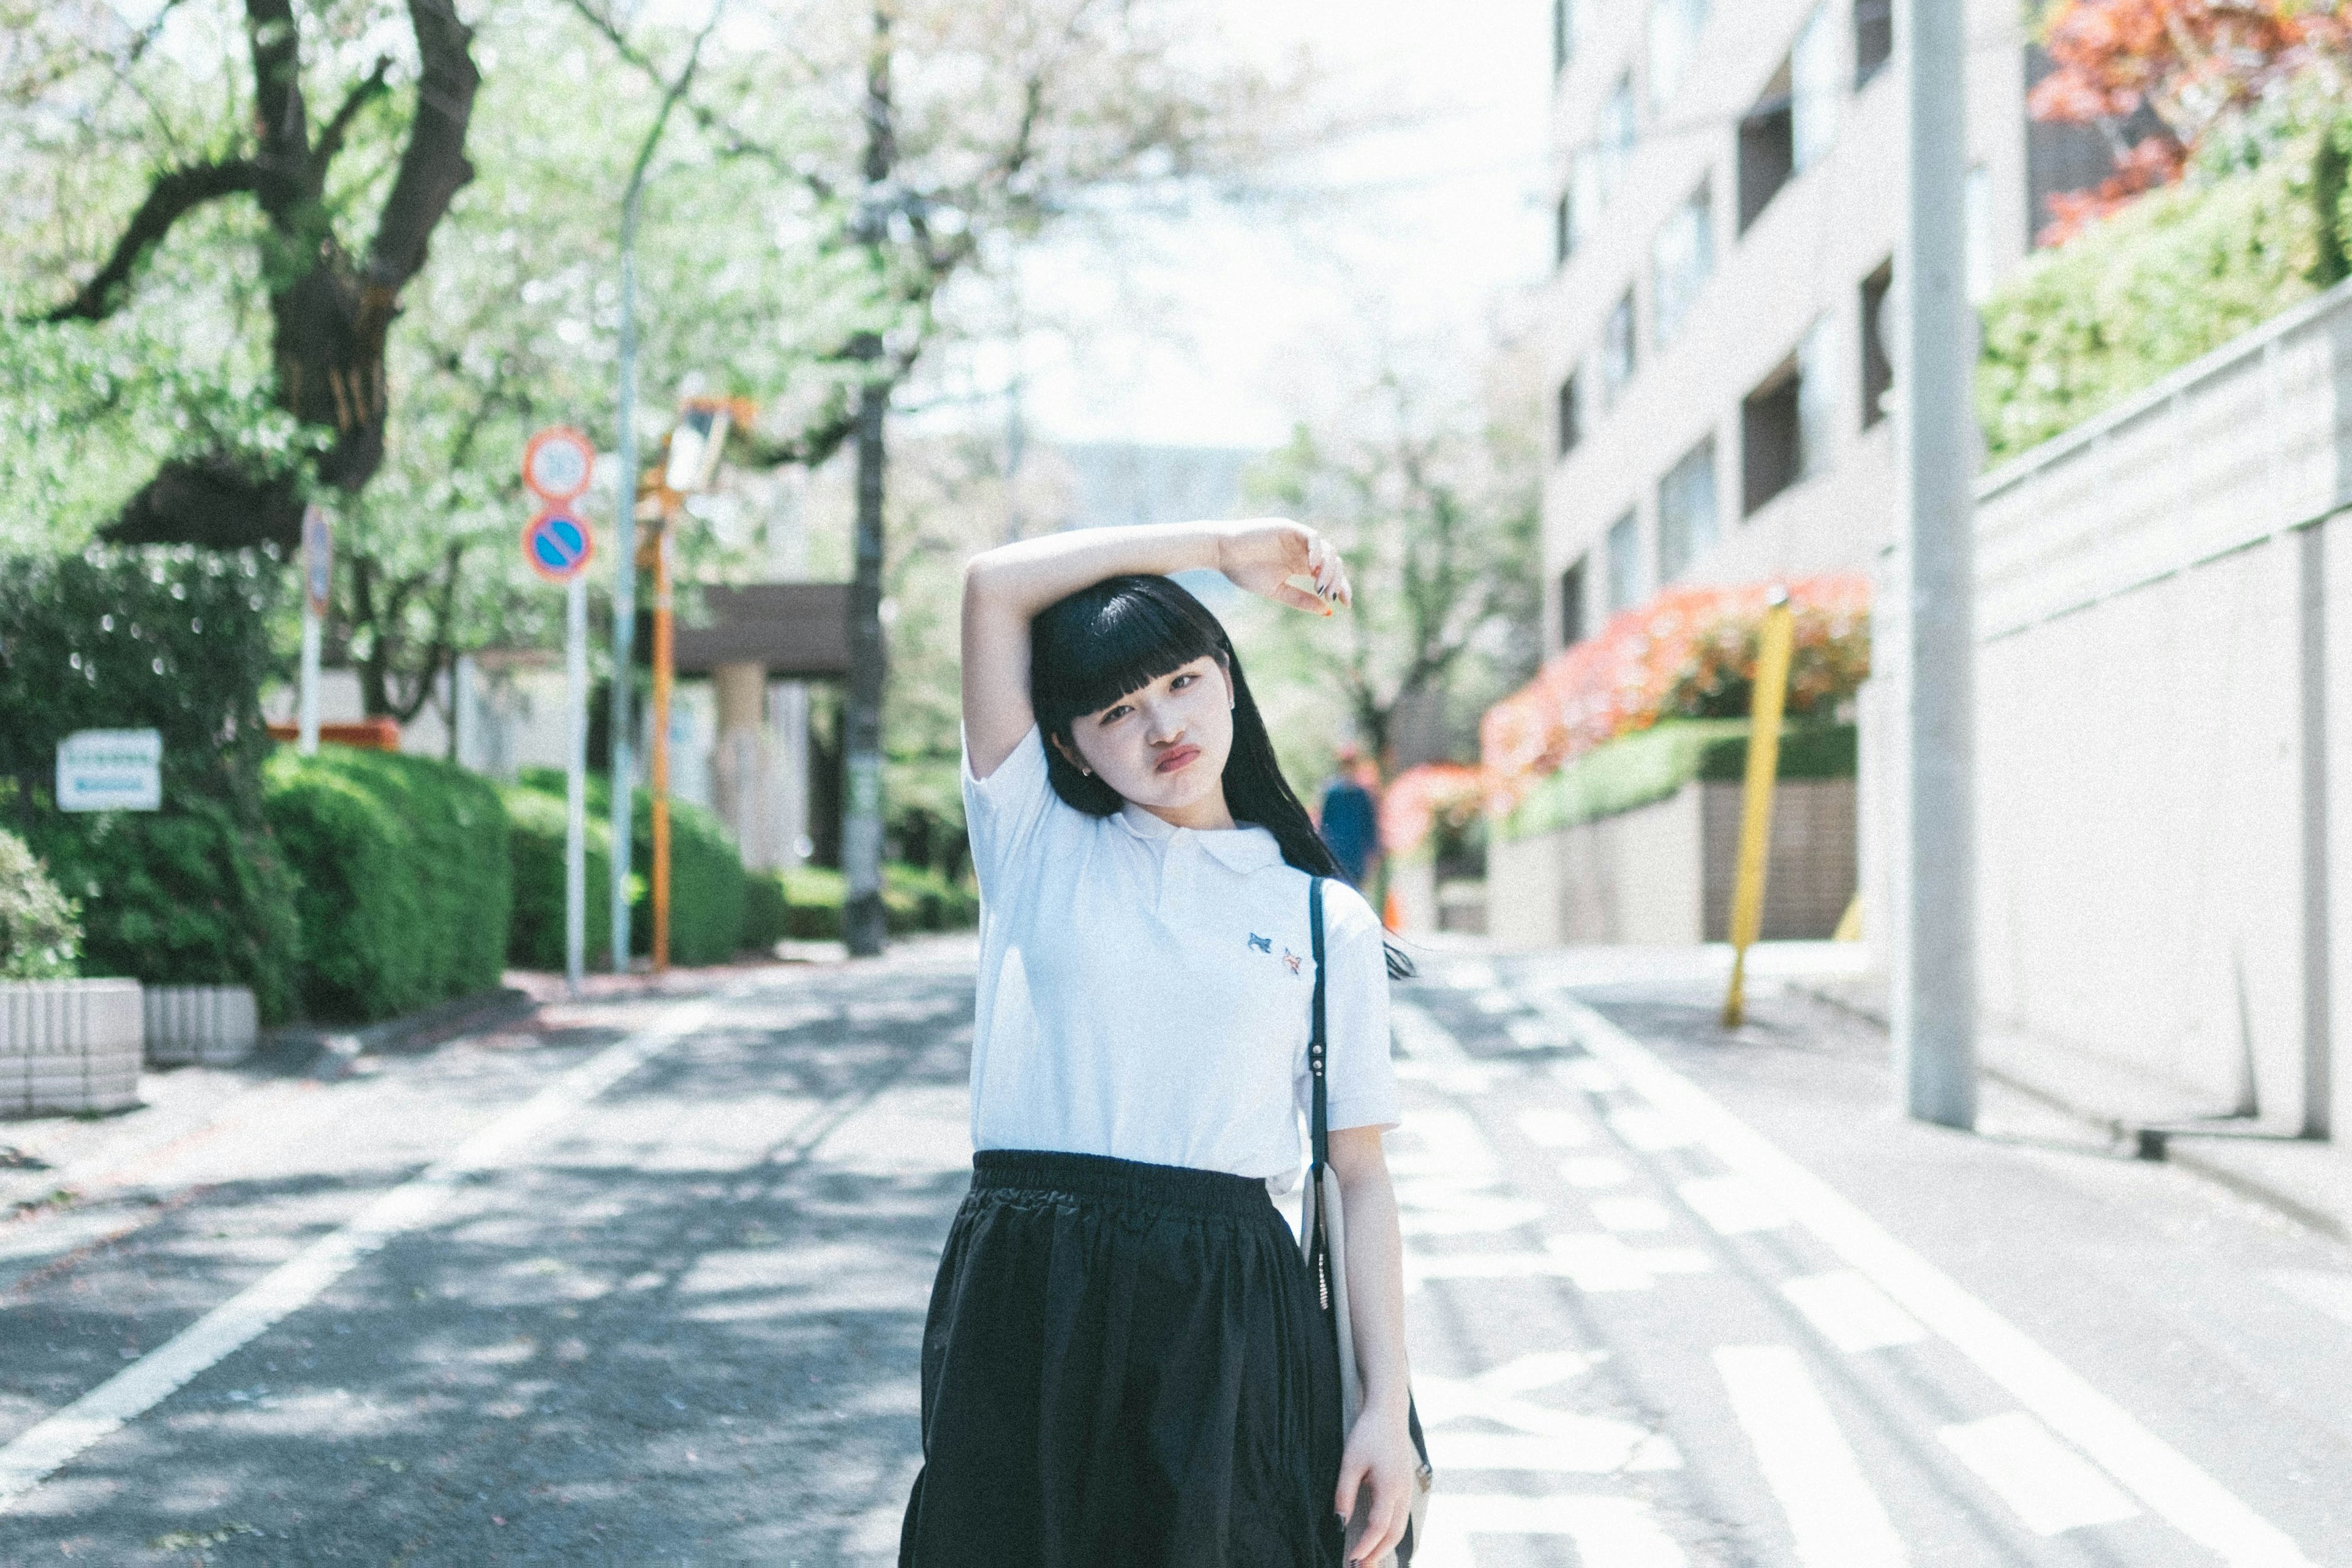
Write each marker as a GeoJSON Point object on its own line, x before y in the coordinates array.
{"type": "Point", "coordinates": [1319, 1122]}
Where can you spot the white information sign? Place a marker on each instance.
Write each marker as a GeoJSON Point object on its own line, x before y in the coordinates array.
{"type": "Point", "coordinates": [111, 769]}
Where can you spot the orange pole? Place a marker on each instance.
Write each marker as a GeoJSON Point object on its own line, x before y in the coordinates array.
{"type": "Point", "coordinates": [665, 664]}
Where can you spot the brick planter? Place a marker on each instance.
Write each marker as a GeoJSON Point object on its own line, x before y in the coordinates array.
{"type": "Point", "coordinates": [69, 1044]}
{"type": "Point", "coordinates": [209, 1023]}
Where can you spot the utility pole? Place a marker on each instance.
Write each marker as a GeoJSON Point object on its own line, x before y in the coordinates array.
{"type": "Point", "coordinates": [1933, 1000]}
{"type": "Point", "coordinates": [861, 817]}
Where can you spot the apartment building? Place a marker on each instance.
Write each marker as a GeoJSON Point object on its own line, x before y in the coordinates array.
{"type": "Point", "coordinates": [1728, 184]}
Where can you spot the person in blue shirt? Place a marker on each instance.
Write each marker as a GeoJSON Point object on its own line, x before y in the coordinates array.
{"type": "Point", "coordinates": [1351, 820]}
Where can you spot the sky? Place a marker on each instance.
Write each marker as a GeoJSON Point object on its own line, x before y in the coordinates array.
{"type": "Point", "coordinates": [1221, 329]}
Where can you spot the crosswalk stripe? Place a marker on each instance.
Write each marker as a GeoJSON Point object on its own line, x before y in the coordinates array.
{"type": "Point", "coordinates": [1851, 1312]}
{"type": "Point", "coordinates": [1648, 1130]}
{"type": "Point", "coordinates": [2049, 1487]}
{"type": "Point", "coordinates": [1625, 1214]}
{"type": "Point", "coordinates": [1733, 1205]}
{"type": "Point", "coordinates": [1556, 1129]}
{"type": "Point", "coordinates": [1608, 1532]}
{"type": "Point", "coordinates": [1836, 1518]}
{"type": "Point", "coordinates": [2164, 1480]}
{"type": "Point", "coordinates": [1595, 1170]}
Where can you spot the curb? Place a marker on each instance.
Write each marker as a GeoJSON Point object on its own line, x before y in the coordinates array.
{"type": "Point", "coordinates": [331, 1052]}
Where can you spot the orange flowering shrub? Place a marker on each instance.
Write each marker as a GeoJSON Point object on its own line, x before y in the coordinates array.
{"type": "Point", "coordinates": [1417, 798]}
{"type": "Point", "coordinates": [1688, 653]}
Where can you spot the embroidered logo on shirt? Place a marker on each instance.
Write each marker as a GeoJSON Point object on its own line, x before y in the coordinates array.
{"type": "Point", "coordinates": [1261, 943]}
{"type": "Point", "coordinates": [1291, 959]}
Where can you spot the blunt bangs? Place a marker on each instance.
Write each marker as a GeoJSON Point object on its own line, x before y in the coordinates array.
{"type": "Point", "coordinates": [1098, 645]}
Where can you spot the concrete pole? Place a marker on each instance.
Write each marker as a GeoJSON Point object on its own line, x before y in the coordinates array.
{"type": "Point", "coordinates": [575, 781]}
{"type": "Point", "coordinates": [306, 713]}
{"type": "Point", "coordinates": [624, 566]}
{"type": "Point", "coordinates": [1934, 990]}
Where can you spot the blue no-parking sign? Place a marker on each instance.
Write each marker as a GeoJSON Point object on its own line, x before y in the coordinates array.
{"type": "Point", "coordinates": [558, 545]}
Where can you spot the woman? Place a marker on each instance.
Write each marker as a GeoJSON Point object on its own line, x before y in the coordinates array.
{"type": "Point", "coordinates": [1126, 1361]}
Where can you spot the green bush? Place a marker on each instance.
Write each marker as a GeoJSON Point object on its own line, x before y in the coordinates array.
{"type": "Point", "coordinates": [535, 931]}
{"type": "Point", "coordinates": [2174, 275]}
{"type": "Point", "coordinates": [914, 899]}
{"type": "Point", "coordinates": [1651, 765]}
{"type": "Point", "coordinates": [706, 877]}
{"type": "Point", "coordinates": [405, 879]}
{"type": "Point", "coordinates": [175, 640]}
{"type": "Point", "coordinates": [40, 933]}
{"type": "Point", "coordinates": [767, 914]}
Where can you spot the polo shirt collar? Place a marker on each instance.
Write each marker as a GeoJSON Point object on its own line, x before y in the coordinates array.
{"type": "Point", "coordinates": [1239, 849]}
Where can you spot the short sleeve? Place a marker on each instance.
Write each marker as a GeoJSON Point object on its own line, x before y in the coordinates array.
{"type": "Point", "coordinates": [1002, 812]}
{"type": "Point", "coordinates": [1362, 1082]}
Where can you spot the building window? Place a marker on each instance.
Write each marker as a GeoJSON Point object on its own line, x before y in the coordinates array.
{"type": "Point", "coordinates": [1571, 604]}
{"type": "Point", "coordinates": [1563, 34]}
{"type": "Point", "coordinates": [1792, 125]}
{"type": "Point", "coordinates": [1584, 195]}
{"type": "Point", "coordinates": [1624, 563]}
{"type": "Point", "coordinates": [1874, 38]}
{"type": "Point", "coordinates": [1682, 255]}
{"type": "Point", "coordinates": [1620, 129]}
{"type": "Point", "coordinates": [1687, 515]}
{"type": "Point", "coordinates": [1571, 413]}
{"type": "Point", "coordinates": [1674, 26]}
{"type": "Point", "coordinates": [1877, 364]}
{"type": "Point", "coordinates": [1817, 91]}
{"type": "Point", "coordinates": [1784, 426]}
{"type": "Point", "coordinates": [1617, 351]}
{"type": "Point", "coordinates": [1563, 230]}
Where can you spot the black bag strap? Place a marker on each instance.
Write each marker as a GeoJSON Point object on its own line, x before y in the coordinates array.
{"type": "Point", "coordinates": [1317, 1045]}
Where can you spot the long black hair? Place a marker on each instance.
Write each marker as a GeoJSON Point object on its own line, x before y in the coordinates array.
{"type": "Point", "coordinates": [1118, 636]}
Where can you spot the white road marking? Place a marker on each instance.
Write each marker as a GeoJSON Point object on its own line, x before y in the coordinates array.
{"type": "Point", "coordinates": [1649, 1131]}
{"type": "Point", "coordinates": [1442, 1140]}
{"type": "Point", "coordinates": [1851, 1312]}
{"type": "Point", "coordinates": [2048, 1485]}
{"type": "Point", "coordinates": [1593, 1077]}
{"type": "Point", "coordinates": [40, 1451]}
{"type": "Point", "coordinates": [1494, 1004]}
{"type": "Point", "coordinates": [2330, 1292]}
{"type": "Point", "coordinates": [1594, 1262]}
{"type": "Point", "coordinates": [2171, 1487]}
{"type": "Point", "coordinates": [1732, 1206]}
{"type": "Point", "coordinates": [1538, 1369]}
{"type": "Point", "coordinates": [1556, 1129]}
{"type": "Point", "coordinates": [1632, 1214]}
{"type": "Point", "coordinates": [1471, 976]}
{"type": "Point", "coordinates": [1533, 1035]}
{"type": "Point", "coordinates": [1836, 1518]}
{"type": "Point", "coordinates": [1550, 1439]}
{"type": "Point", "coordinates": [1497, 1213]}
{"type": "Point", "coordinates": [1595, 1170]}
{"type": "Point", "coordinates": [1609, 1532]}
{"type": "Point", "coordinates": [1431, 1053]}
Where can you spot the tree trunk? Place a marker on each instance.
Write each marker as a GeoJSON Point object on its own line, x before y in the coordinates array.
{"type": "Point", "coordinates": [863, 925]}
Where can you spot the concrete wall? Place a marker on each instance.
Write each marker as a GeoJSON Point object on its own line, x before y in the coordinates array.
{"type": "Point", "coordinates": [2165, 695]}
{"type": "Point", "coordinates": [1662, 874]}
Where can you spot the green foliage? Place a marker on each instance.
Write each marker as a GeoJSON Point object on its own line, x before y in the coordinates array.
{"type": "Point", "coordinates": [176, 641]}
{"type": "Point", "coordinates": [706, 877]}
{"type": "Point", "coordinates": [40, 932]}
{"type": "Point", "coordinates": [1651, 765]}
{"type": "Point", "coordinates": [187, 896]}
{"type": "Point", "coordinates": [805, 904]}
{"type": "Point", "coordinates": [406, 885]}
{"type": "Point", "coordinates": [535, 845]}
{"type": "Point", "coordinates": [2175, 275]}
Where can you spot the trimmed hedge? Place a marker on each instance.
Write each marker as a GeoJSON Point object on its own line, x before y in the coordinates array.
{"type": "Point", "coordinates": [176, 640]}
{"type": "Point", "coordinates": [706, 877]}
{"type": "Point", "coordinates": [805, 904]}
{"type": "Point", "coordinates": [1651, 765]}
{"type": "Point", "coordinates": [406, 884]}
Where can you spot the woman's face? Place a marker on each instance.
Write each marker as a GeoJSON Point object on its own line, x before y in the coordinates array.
{"type": "Point", "coordinates": [1163, 747]}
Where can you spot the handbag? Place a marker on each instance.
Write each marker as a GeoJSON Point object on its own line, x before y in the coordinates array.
{"type": "Point", "coordinates": [1323, 1237]}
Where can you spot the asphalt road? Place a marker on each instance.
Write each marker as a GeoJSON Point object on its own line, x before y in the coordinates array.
{"type": "Point", "coordinates": [641, 1280]}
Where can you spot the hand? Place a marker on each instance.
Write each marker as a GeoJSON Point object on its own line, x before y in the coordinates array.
{"type": "Point", "coordinates": [1377, 1476]}
{"type": "Point", "coordinates": [1264, 555]}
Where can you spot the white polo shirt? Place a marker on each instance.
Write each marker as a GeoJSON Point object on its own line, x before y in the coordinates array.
{"type": "Point", "coordinates": [1146, 991]}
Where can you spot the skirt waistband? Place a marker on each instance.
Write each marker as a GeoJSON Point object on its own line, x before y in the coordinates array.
{"type": "Point", "coordinates": [1104, 1179]}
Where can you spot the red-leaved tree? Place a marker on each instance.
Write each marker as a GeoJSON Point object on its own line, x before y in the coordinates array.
{"type": "Point", "coordinates": [2194, 64]}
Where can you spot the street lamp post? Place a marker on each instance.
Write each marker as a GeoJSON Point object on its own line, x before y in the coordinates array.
{"type": "Point", "coordinates": [1934, 991]}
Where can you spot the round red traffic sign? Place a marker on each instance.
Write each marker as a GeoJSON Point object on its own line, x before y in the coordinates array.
{"type": "Point", "coordinates": [557, 545]}
{"type": "Point", "coordinates": [556, 464]}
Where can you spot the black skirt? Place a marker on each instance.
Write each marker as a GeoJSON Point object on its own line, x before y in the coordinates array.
{"type": "Point", "coordinates": [1124, 1366]}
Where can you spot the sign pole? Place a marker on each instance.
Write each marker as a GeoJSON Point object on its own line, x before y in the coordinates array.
{"type": "Point", "coordinates": [1768, 698]}
{"type": "Point", "coordinates": [576, 783]}
{"type": "Point", "coordinates": [318, 579]}
{"type": "Point", "coordinates": [664, 667]}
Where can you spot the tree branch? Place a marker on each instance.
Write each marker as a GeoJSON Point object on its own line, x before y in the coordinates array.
{"type": "Point", "coordinates": [281, 121]}
{"type": "Point", "coordinates": [432, 166]}
{"type": "Point", "coordinates": [172, 197]}
{"type": "Point", "coordinates": [331, 140]}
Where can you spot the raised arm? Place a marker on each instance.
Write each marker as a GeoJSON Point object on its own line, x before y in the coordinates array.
{"type": "Point", "coordinates": [1004, 588]}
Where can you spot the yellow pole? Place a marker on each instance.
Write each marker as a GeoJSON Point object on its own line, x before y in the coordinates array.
{"type": "Point", "coordinates": [1770, 694]}
{"type": "Point", "coordinates": [665, 663]}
